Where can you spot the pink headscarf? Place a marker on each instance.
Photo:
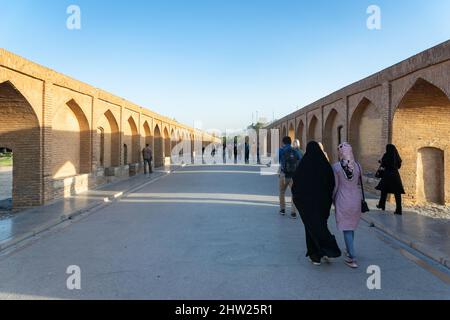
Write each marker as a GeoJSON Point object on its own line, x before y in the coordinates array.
{"type": "Point", "coordinates": [346, 156]}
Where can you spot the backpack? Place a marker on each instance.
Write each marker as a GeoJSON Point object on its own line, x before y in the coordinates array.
{"type": "Point", "coordinates": [290, 162]}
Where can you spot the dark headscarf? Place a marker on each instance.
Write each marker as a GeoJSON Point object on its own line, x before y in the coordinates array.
{"type": "Point", "coordinates": [391, 158]}
{"type": "Point", "coordinates": [314, 176]}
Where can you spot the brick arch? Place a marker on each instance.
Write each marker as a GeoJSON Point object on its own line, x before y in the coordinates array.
{"type": "Point", "coordinates": [284, 132]}
{"type": "Point", "coordinates": [148, 135]}
{"type": "Point", "coordinates": [365, 135]}
{"type": "Point", "coordinates": [158, 147]}
{"type": "Point", "coordinates": [331, 134]}
{"type": "Point", "coordinates": [421, 120]}
{"type": "Point", "coordinates": [300, 132]}
{"type": "Point", "coordinates": [20, 132]}
{"type": "Point", "coordinates": [107, 147]}
{"type": "Point", "coordinates": [71, 141]}
{"type": "Point", "coordinates": [313, 127]}
{"type": "Point", "coordinates": [291, 131]}
{"type": "Point", "coordinates": [167, 148]}
{"type": "Point", "coordinates": [131, 139]}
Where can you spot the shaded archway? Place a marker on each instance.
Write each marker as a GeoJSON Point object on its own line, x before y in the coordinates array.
{"type": "Point", "coordinates": [158, 150]}
{"type": "Point", "coordinates": [422, 116]}
{"type": "Point", "coordinates": [299, 135]}
{"type": "Point", "coordinates": [20, 132]}
{"type": "Point", "coordinates": [313, 130]}
{"type": "Point", "coordinates": [167, 148]}
{"type": "Point", "coordinates": [107, 141]}
{"type": "Point", "coordinates": [131, 139]}
{"type": "Point", "coordinates": [71, 141]}
{"type": "Point", "coordinates": [291, 132]}
{"type": "Point", "coordinates": [430, 176]}
{"type": "Point", "coordinates": [366, 127]}
{"type": "Point", "coordinates": [331, 135]}
{"type": "Point", "coordinates": [148, 137]}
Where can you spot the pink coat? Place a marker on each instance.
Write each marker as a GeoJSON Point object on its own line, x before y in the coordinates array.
{"type": "Point", "coordinates": [347, 198]}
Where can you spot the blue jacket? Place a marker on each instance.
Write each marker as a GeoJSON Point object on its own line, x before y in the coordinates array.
{"type": "Point", "coordinates": [281, 153]}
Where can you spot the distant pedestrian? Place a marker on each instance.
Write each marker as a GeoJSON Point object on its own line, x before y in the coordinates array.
{"type": "Point", "coordinates": [247, 152]}
{"type": "Point", "coordinates": [313, 194]}
{"type": "Point", "coordinates": [147, 155]}
{"type": "Point", "coordinates": [391, 182]}
{"type": "Point", "coordinates": [347, 198]}
{"type": "Point", "coordinates": [289, 160]}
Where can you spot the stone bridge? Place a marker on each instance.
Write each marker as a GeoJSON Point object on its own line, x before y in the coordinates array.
{"type": "Point", "coordinates": [407, 104]}
{"type": "Point", "coordinates": [68, 136]}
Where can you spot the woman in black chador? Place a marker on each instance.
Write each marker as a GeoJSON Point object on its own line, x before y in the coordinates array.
{"type": "Point", "coordinates": [391, 181]}
{"type": "Point", "coordinates": [312, 192]}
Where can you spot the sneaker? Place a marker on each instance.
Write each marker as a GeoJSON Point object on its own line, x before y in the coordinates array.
{"type": "Point", "coordinates": [315, 261]}
{"type": "Point", "coordinates": [351, 263]}
{"type": "Point", "coordinates": [282, 212]}
{"type": "Point", "coordinates": [293, 215]}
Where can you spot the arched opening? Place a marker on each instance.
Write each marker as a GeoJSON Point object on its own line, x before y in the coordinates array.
{"type": "Point", "coordinates": [430, 176]}
{"type": "Point", "coordinates": [366, 127]}
{"type": "Point", "coordinates": [20, 133]}
{"type": "Point", "coordinates": [313, 134]}
{"type": "Point", "coordinates": [283, 133]}
{"type": "Point", "coordinates": [340, 134]}
{"type": "Point", "coordinates": [158, 147]}
{"type": "Point", "coordinates": [148, 137]}
{"type": "Point", "coordinates": [6, 179]}
{"type": "Point", "coordinates": [167, 148]}
{"type": "Point", "coordinates": [291, 133]}
{"type": "Point", "coordinates": [125, 155]}
{"type": "Point", "coordinates": [111, 140]}
{"type": "Point", "coordinates": [71, 141]}
{"type": "Point", "coordinates": [173, 140]}
{"type": "Point", "coordinates": [420, 121]}
{"type": "Point", "coordinates": [131, 139]}
{"type": "Point", "coordinates": [101, 135]}
{"type": "Point", "coordinates": [331, 135]}
{"type": "Point", "coordinates": [300, 130]}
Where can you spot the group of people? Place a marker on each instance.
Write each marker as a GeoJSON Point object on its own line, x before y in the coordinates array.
{"type": "Point", "coordinates": [316, 185]}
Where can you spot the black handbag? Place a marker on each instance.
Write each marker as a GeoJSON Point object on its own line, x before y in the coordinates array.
{"type": "Point", "coordinates": [364, 205]}
{"type": "Point", "coordinates": [380, 172]}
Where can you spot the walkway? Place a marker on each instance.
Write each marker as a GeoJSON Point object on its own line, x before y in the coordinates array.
{"type": "Point", "coordinates": [207, 232]}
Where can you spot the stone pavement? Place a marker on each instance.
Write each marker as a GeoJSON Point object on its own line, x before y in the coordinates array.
{"type": "Point", "coordinates": [208, 232]}
{"type": "Point", "coordinates": [30, 222]}
{"type": "Point", "coordinates": [429, 236]}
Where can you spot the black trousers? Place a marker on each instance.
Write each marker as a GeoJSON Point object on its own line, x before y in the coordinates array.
{"type": "Point", "coordinates": [398, 201]}
{"type": "Point", "coordinates": [149, 163]}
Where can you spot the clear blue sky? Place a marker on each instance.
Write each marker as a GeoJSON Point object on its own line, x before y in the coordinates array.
{"type": "Point", "coordinates": [217, 61]}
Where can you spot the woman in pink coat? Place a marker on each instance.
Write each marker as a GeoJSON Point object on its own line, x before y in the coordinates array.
{"type": "Point", "coordinates": [347, 198]}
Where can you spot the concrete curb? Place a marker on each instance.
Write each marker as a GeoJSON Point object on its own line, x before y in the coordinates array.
{"type": "Point", "coordinates": [429, 252]}
{"type": "Point", "coordinates": [14, 241]}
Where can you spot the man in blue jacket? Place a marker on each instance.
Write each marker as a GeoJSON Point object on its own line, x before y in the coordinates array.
{"type": "Point", "coordinates": [289, 159]}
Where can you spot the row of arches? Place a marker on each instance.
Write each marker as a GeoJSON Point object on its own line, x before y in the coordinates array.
{"type": "Point", "coordinates": [419, 127]}
{"type": "Point", "coordinates": [78, 145]}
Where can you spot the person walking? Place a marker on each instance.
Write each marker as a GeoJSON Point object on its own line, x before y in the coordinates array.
{"type": "Point", "coordinates": [312, 193]}
{"type": "Point", "coordinates": [347, 198]}
{"type": "Point", "coordinates": [391, 182]}
{"type": "Point", "coordinates": [147, 156]}
{"type": "Point", "coordinates": [289, 159]}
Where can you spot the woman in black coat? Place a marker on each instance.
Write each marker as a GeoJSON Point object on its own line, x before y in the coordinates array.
{"type": "Point", "coordinates": [312, 194]}
{"type": "Point", "coordinates": [391, 181]}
